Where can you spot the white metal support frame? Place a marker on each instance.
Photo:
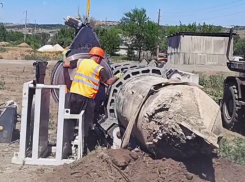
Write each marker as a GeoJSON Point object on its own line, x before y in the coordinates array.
{"type": "Point", "coordinates": [42, 94]}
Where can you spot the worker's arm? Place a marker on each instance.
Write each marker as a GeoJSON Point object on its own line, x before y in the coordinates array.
{"type": "Point", "coordinates": [66, 63]}
{"type": "Point", "coordinates": [111, 81]}
{"type": "Point", "coordinates": [69, 64]}
{"type": "Point", "coordinates": [104, 77]}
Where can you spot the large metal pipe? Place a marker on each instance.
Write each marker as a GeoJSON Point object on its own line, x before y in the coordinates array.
{"type": "Point", "coordinates": [175, 121]}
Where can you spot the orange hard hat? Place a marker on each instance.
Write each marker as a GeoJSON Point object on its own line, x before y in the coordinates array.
{"type": "Point", "coordinates": [97, 51]}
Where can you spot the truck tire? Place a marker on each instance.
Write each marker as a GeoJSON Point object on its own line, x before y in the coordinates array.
{"type": "Point", "coordinates": [230, 106]}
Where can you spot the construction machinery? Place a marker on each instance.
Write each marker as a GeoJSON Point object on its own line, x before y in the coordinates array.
{"type": "Point", "coordinates": [8, 120]}
{"type": "Point", "coordinates": [233, 101]}
{"type": "Point", "coordinates": [164, 120]}
{"type": "Point", "coordinates": [162, 59]}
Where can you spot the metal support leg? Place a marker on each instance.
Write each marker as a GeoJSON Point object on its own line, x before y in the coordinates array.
{"type": "Point", "coordinates": [80, 135]}
{"type": "Point", "coordinates": [59, 141]}
{"type": "Point", "coordinates": [35, 144]}
{"type": "Point", "coordinates": [20, 158]}
{"type": "Point", "coordinates": [22, 149]}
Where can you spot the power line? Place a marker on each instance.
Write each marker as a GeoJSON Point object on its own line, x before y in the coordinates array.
{"type": "Point", "coordinates": [189, 14]}
{"type": "Point", "coordinates": [8, 14]}
{"type": "Point", "coordinates": [204, 19]}
{"type": "Point", "coordinates": [217, 17]}
{"type": "Point", "coordinates": [201, 9]}
{"type": "Point", "coordinates": [222, 16]}
{"type": "Point", "coordinates": [158, 22]}
{"type": "Point", "coordinates": [1, 5]}
{"type": "Point", "coordinates": [25, 12]}
{"type": "Point", "coordinates": [35, 26]}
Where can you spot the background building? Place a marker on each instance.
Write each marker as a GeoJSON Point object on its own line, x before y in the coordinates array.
{"type": "Point", "coordinates": [198, 48]}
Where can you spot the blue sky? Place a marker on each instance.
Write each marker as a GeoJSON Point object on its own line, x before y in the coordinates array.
{"type": "Point", "coordinates": [219, 12]}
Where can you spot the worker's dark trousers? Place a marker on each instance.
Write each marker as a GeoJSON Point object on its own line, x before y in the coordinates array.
{"type": "Point", "coordinates": [76, 103]}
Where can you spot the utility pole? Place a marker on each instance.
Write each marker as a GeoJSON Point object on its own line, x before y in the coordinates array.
{"type": "Point", "coordinates": [25, 12]}
{"type": "Point", "coordinates": [35, 26]}
{"type": "Point", "coordinates": [158, 22]}
{"type": "Point", "coordinates": [1, 6]}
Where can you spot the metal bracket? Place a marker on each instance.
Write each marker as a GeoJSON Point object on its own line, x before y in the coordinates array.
{"type": "Point", "coordinates": [40, 143]}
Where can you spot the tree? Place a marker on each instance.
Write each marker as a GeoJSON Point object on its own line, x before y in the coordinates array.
{"type": "Point", "coordinates": [169, 30]}
{"type": "Point", "coordinates": [134, 25]}
{"type": "Point", "coordinates": [239, 47]}
{"type": "Point", "coordinates": [99, 30]}
{"type": "Point", "coordinates": [64, 37]}
{"type": "Point", "coordinates": [209, 28]}
{"type": "Point", "coordinates": [34, 41]}
{"type": "Point", "coordinates": [110, 40]}
{"type": "Point", "coordinates": [163, 40]}
{"type": "Point", "coordinates": [3, 33]}
{"type": "Point", "coordinates": [44, 38]}
{"type": "Point", "coordinates": [151, 36]}
{"type": "Point", "coordinates": [15, 37]}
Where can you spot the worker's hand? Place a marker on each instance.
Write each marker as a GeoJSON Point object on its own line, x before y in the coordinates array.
{"type": "Point", "coordinates": [119, 75]}
{"type": "Point", "coordinates": [65, 52]}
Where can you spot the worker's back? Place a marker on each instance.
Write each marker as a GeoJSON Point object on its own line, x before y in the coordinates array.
{"type": "Point", "coordinates": [86, 81]}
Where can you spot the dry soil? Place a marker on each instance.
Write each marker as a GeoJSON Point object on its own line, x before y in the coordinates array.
{"type": "Point", "coordinates": [22, 51]}
{"type": "Point", "coordinates": [124, 166]}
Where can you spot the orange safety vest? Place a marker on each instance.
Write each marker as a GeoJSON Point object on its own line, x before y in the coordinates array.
{"type": "Point", "coordinates": [86, 81]}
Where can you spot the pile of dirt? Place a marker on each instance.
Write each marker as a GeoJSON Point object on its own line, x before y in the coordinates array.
{"type": "Point", "coordinates": [23, 45]}
{"type": "Point", "coordinates": [58, 48]}
{"type": "Point", "coordinates": [4, 43]}
{"type": "Point", "coordinates": [123, 165]}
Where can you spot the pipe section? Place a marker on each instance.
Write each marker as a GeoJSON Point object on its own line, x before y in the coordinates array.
{"type": "Point", "coordinates": [176, 121]}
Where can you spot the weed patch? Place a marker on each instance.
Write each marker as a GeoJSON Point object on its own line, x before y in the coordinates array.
{"type": "Point", "coordinates": [233, 150]}
{"type": "Point", "coordinates": [118, 59]}
{"type": "Point", "coordinates": [213, 85]}
{"type": "Point", "coordinates": [2, 49]}
{"type": "Point", "coordinates": [2, 84]}
{"type": "Point", "coordinates": [37, 57]}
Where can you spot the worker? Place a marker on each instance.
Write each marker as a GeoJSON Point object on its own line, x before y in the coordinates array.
{"type": "Point", "coordinates": [85, 86]}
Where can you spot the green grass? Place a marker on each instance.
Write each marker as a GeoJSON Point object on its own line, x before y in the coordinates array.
{"type": "Point", "coordinates": [118, 59]}
{"type": "Point", "coordinates": [2, 84]}
{"type": "Point", "coordinates": [234, 150]}
{"type": "Point", "coordinates": [2, 49]}
{"type": "Point", "coordinates": [213, 85]}
{"type": "Point", "coordinates": [37, 57]}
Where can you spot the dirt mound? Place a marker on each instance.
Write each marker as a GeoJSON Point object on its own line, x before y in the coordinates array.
{"type": "Point", "coordinates": [58, 48]}
{"type": "Point", "coordinates": [23, 45]}
{"type": "Point", "coordinates": [4, 43]}
{"type": "Point", "coordinates": [123, 165]}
